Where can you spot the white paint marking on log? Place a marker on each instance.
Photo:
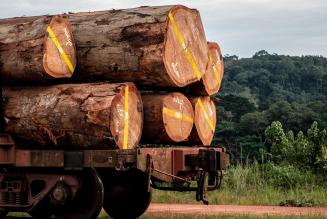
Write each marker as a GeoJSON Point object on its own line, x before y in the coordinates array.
{"type": "Point", "coordinates": [209, 109]}
{"type": "Point", "coordinates": [174, 65]}
{"type": "Point", "coordinates": [178, 101]}
{"type": "Point", "coordinates": [69, 41]}
{"type": "Point", "coordinates": [121, 113]}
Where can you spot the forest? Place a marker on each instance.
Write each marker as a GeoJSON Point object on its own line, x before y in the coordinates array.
{"type": "Point", "coordinates": [273, 108]}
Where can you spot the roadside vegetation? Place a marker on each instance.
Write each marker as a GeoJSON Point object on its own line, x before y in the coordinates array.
{"type": "Point", "coordinates": [256, 184]}
{"type": "Point", "coordinates": [272, 118]}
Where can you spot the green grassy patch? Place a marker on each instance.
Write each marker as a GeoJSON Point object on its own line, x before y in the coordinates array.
{"type": "Point", "coordinates": [260, 185]}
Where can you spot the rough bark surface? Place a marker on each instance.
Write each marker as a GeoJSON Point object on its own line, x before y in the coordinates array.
{"type": "Point", "coordinates": [84, 115]}
{"type": "Point", "coordinates": [168, 118]}
{"type": "Point", "coordinates": [29, 54]}
{"type": "Point", "coordinates": [212, 79]}
{"type": "Point", "coordinates": [139, 45]}
{"type": "Point", "coordinates": [204, 121]}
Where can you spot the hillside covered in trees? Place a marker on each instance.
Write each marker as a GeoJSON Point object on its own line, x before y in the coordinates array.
{"type": "Point", "coordinates": [272, 117]}
{"type": "Point", "coordinates": [269, 87]}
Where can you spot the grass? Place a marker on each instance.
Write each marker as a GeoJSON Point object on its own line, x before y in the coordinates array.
{"type": "Point", "coordinates": [266, 195]}
{"type": "Point", "coordinates": [257, 185]}
{"type": "Point", "coordinates": [250, 185]}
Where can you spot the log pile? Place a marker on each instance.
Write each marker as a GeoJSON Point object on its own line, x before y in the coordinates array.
{"type": "Point", "coordinates": [72, 80]}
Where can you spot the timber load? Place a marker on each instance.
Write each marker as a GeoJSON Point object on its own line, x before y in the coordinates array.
{"type": "Point", "coordinates": [168, 118]}
{"type": "Point", "coordinates": [36, 49]}
{"type": "Point", "coordinates": [69, 79]}
{"type": "Point", "coordinates": [152, 46]}
{"type": "Point", "coordinates": [75, 115]}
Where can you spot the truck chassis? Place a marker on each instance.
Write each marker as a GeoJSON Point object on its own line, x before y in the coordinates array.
{"type": "Point", "coordinates": [79, 183]}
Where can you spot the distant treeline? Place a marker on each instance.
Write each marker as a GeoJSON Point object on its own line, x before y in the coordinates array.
{"type": "Point", "coordinates": [265, 88]}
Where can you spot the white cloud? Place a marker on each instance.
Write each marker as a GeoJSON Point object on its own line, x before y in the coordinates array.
{"type": "Point", "coordinates": [242, 27]}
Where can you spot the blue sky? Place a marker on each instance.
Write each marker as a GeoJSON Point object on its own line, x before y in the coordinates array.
{"type": "Point", "coordinates": [241, 27]}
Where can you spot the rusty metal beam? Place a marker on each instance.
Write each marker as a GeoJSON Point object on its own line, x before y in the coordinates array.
{"type": "Point", "coordinates": [168, 163]}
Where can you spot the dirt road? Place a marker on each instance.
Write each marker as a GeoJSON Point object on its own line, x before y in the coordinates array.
{"type": "Point", "coordinates": [193, 209]}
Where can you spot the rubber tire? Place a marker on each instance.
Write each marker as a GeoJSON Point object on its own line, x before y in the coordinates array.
{"type": "Point", "coordinates": [87, 203]}
{"type": "Point", "coordinates": [43, 210]}
{"type": "Point", "coordinates": [3, 214]}
{"type": "Point", "coordinates": [126, 196]}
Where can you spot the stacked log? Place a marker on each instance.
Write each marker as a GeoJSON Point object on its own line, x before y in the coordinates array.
{"type": "Point", "coordinates": [152, 46]}
{"type": "Point", "coordinates": [169, 118]}
{"type": "Point", "coordinates": [204, 121]}
{"type": "Point", "coordinates": [157, 48]}
{"type": "Point", "coordinates": [36, 50]}
{"type": "Point", "coordinates": [215, 70]}
{"type": "Point", "coordinates": [75, 115]}
{"type": "Point", "coordinates": [211, 80]}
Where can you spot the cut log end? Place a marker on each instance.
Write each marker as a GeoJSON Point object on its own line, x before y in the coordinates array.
{"type": "Point", "coordinates": [59, 58]}
{"type": "Point", "coordinates": [178, 116]}
{"type": "Point", "coordinates": [215, 69]}
{"type": "Point", "coordinates": [127, 117]}
{"type": "Point", "coordinates": [74, 115]}
{"type": "Point", "coordinates": [204, 119]}
{"type": "Point", "coordinates": [185, 51]}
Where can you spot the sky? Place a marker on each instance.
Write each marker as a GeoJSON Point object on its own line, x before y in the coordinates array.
{"type": "Point", "coordinates": [241, 27]}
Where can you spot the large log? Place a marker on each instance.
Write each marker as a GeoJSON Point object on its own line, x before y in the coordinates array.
{"type": "Point", "coordinates": [36, 49]}
{"type": "Point", "coordinates": [168, 118]}
{"type": "Point", "coordinates": [80, 115]}
{"type": "Point", "coordinates": [204, 120]}
{"type": "Point", "coordinates": [211, 80]}
{"type": "Point", "coordinates": [153, 46]}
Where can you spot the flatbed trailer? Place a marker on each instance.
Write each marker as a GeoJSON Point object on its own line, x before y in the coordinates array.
{"type": "Point", "coordinates": [74, 183]}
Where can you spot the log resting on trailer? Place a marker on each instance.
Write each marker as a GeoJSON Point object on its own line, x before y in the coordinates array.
{"type": "Point", "coordinates": [176, 167]}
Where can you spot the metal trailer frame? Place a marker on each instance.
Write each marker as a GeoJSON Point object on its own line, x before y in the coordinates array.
{"type": "Point", "coordinates": [28, 175]}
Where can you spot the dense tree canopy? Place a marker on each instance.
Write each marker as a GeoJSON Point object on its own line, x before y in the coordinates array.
{"type": "Point", "coordinates": [269, 87]}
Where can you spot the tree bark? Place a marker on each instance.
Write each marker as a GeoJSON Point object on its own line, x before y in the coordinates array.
{"type": "Point", "coordinates": [36, 49]}
{"type": "Point", "coordinates": [169, 118]}
{"type": "Point", "coordinates": [71, 115]}
{"type": "Point", "coordinates": [204, 119]}
{"type": "Point", "coordinates": [140, 45]}
{"type": "Point", "coordinates": [212, 79]}
{"type": "Point", "coordinates": [144, 45]}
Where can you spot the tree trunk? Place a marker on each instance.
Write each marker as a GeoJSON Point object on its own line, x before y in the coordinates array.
{"type": "Point", "coordinates": [153, 46]}
{"type": "Point", "coordinates": [168, 118]}
{"type": "Point", "coordinates": [204, 120]}
{"type": "Point", "coordinates": [141, 45]}
{"type": "Point", "coordinates": [36, 49]}
{"type": "Point", "coordinates": [211, 80]}
{"type": "Point", "coordinates": [84, 115]}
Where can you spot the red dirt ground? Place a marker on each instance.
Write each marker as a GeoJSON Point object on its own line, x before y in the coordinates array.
{"type": "Point", "coordinates": [194, 210]}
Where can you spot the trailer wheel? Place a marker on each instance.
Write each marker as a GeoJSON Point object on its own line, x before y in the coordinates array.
{"type": "Point", "coordinates": [3, 214]}
{"type": "Point", "coordinates": [88, 201]}
{"type": "Point", "coordinates": [43, 209]}
{"type": "Point", "coordinates": [126, 196]}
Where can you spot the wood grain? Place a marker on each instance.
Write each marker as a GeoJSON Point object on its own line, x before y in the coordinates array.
{"type": "Point", "coordinates": [73, 115]}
